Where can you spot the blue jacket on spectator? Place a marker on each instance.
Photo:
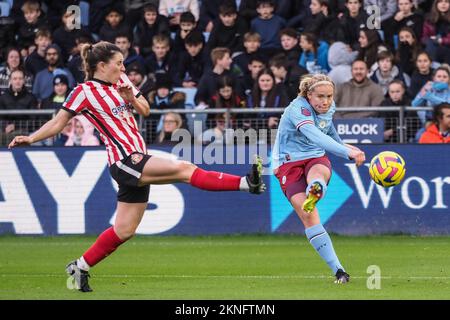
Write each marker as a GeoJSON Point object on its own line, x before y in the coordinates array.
{"type": "Point", "coordinates": [321, 58]}
{"type": "Point", "coordinates": [269, 29]}
{"type": "Point", "coordinates": [439, 93]}
{"type": "Point", "coordinates": [43, 83]}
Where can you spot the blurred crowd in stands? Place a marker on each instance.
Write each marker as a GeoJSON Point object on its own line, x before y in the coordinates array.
{"type": "Point", "coordinates": [201, 54]}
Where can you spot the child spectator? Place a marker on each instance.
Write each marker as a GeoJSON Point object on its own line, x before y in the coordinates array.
{"type": "Point", "coordinates": [221, 59]}
{"type": "Point", "coordinates": [436, 31]}
{"type": "Point", "coordinates": [162, 60]}
{"type": "Point", "coordinates": [252, 43]}
{"type": "Point", "coordinates": [187, 24]}
{"type": "Point", "coordinates": [340, 58]}
{"type": "Point", "coordinates": [397, 97]}
{"type": "Point", "coordinates": [174, 8]}
{"type": "Point", "coordinates": [59, 95]}
{"type": "Point", "coordinates": [225, 96]}
{"type": "Point", "coordinates": [369, 46]}
{"type": "Point", "coordinates": [404, 17]}
{"type": "Point", "coordinates": [408, 49]}
{"type": "Point", "coordinates": [150, 25]}
{"type": "Point", "coordinates": [43, 82]}
{"type": "Point", "coordinates": [315, 54]}
{"type": "Point", "coordinates": [138, 77]}
{"type": "Point", "coordinates": [287, 73]}
{"type": "Point", "coordinates": [82, 133]}
{"type": "Point", "coordinates": [209, 13]}
{"type": "Point", "coordinates": [422, 73]}
{"type": "Point", "coordinates": [172, 121]}
{"type": "Point", "coordinates": [114, 24]}
{"type": "Point", "coordinates": [267, 94]}
{"type": "Point", "coordinates": [123, 42]}
{"type": "Point", "coordinates": [387, 71]}
{"type": "Point", "coordinates": [351, 21]}
{"type": "Point", "coordinates": [290, 43]}
{"type": "Point", "coordinates": [36, 62]}
{"type": "Point", "coordinates": [256, 64]}
{"type": "Point", "coordinates": [268, 25]}
{"type": "Point", "coordinates": [13, 62]}
{"type": "Point", "coordinates": [192, 62]}
{"type": "Point", "coordinates": [229, 30]}
{"type": "Point", "coordinates": [433, 93]}
{"type": "Point", "coordinates": [439, 130]}
{"type": "Point", "coordinates": [33, 20]}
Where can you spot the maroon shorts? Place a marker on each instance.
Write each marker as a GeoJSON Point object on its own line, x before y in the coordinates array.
{"type": "Point", "coordinates": [292, 175]}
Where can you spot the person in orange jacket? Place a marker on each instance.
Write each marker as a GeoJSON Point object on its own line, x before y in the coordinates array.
{"type": "Point", "coordinates": [439, 131]}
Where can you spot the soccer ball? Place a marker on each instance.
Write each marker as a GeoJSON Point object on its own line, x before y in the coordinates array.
{"type": "Point", "coordinates": [387, 169]}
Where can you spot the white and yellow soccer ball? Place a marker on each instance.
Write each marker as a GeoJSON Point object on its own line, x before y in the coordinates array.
{"type": "Point", "coordinates": [387, 169]}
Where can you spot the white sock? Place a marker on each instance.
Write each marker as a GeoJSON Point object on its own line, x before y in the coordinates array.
{"type": "Point", "coordinates": [82, 264]}
{"type": "Point", "coordinates": [243, 186]}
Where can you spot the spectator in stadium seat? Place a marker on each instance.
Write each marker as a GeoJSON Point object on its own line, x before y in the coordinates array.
{"type": "Point", "coordinates": [433, 93]}
{"type": "Point", "coordinates": [173, 9]}
{"type": "Point", "coordinates": [252, 44]}
{"type": "Point", "coordinates": [387, 71]}
{"type": "Point", "coordinates": [256, 64]}
{"type": "Point", "coordinates": [268, 25]}
{"type": "Point", "coordinates": [33, 20]}
{"type": "Point", "coordinates": [287, 73]}
{"type": "Point", "coordinates": [82, 133]}
{"type": "Point", "coordinates": [439, 130]}
{"type": "Point", "coordinates": [13, 62]}
{"type": "Point", "coordinates": [267, 93]}
{"type": "Point", "coordinates": [193, 61]}
{"type": "Point", "coordinates": [289, 39]}
{"type": "Point", "coordinates": [172, 121]}
{"type": "Point", "coordinates": [225, 96]}
{"type": "Point", "coordinates": [436, 31]}
{"type": "Point", "coordinates": [351, 21]}
{"type": "Point", "coordinates": [150, 25]}
{"type": "Point", "coordinates": [247, 10]}
{"type": "Point", "coordinates": [408, 49]}
{"type": "Point", "coordinates": [229, 30]}
{"type": "Point", "coordinates": [74, 64]}
{"type": "Point", "coordinates": [139, 78]}
{"type": "Point", "coordinates": [123, 41]}
{"type": "Point", "coordinates": [114, 24]}
{"type": "Point", "coordinates": [422, 73]}
{"type": "Point", "coordinates": [43, 82]}
{"type": "Point", "coordinates": [369, 46]}
{"type": "Point", "coordinates": [36, 62]}
{"type": "Point", "coordinates": [398, 97]}
{"type": "Point", "coordinates": [221, 59]}
{"type": "Point", "coordinates": [360, 91]}
{"type": "Point", "coordinates": [16, 97]}
{"type": "Point", "coordinates": [405, 16]}
{"type": "Point", "coordinates": [315, 53]}
{"type": "Point", "coordinates": [322, 22]}
{"type": "Point", "coordinates": [340, 58]}
{"type": "Point", "coordinates": [187, 25]}
{"type": "Point", "coordinates": [387, 8]}
{"type": "Point", "coordinates": [59, 95]}
{"type": "Point", "coordinates": [162, 59]}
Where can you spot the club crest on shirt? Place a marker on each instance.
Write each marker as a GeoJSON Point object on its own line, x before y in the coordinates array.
{"type": "Point", "coordinates": [136, 158]}
{"type": "Point", "coordinates": [322, 124]}
{"type": "Point", "coordinates": [306, 112]}
{"type": "Point", "coordinates": [287, 157]}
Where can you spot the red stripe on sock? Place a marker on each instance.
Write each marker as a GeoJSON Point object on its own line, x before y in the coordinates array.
{"type": "Point", "coordinates": [215, 181]}
{"type": "Point", "coordinates": [105, 244]}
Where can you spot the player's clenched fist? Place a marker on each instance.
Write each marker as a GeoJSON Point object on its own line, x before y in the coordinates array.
{"type": "Point", "coordinates": [20, 141]}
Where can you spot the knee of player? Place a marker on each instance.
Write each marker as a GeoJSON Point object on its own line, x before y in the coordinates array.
{"type": "Point", "coordinates": [125, 232]}
{"type": "Point", "coordinates": [185, 168]}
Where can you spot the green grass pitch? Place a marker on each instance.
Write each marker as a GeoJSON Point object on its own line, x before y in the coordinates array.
{"type": "Point", "coordinates": [227, 267]}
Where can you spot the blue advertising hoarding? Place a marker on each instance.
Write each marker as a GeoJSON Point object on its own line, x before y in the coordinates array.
{"type": "Point", "coordinates": [52, 191]}
{"type": "Point", "coordinates": [364, 130]}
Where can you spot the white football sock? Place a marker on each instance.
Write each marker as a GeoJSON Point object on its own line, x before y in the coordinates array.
{"type": "Point", "coordinates": [82, 264]}
{"type": "Point", "coordinates": [243, 186]}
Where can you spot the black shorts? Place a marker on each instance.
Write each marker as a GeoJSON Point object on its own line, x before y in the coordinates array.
{"type": "Point", "coordinates": [127, 173]}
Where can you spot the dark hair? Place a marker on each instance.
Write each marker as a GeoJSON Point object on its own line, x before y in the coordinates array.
{"type": "Point", "coordinates": [256, 92]}
{"type": "Point", "coordinates": [187, 17]}
{"type": "Point", "coordinates": [398, 81]}
{"type": "Point", "coordinates": [435, 15]}
{"type": "Point", "coordinates": [123, 35]}
{"type": "Point", "coordinates": [312, 38]}
{"type": "Point", "coordinates": [194, 38]}
{"type": "Point", "coordinates": [385, 55]}
{"type": "Point", "coordinates": [43, 33]}
{"type": "Point", "coordinates": [290, 32]}
{"type": "Point", "coordinates": [224, 81]}
{"type": "Point", "coordinates": [438, 113]}
{"type": "Point", "coordinates": [92, 55]}
{"type": "Point", "coordinates": [443, 67]}
{"type": "Point", "coordinates": [415, 48]}
{"type": "Point", "coordinates": [227, 8]}
{"type": "Point", "coordinates": [261, 2]}
{"type": "Point", "coordinates": [279, 61]}
{"type": "Point", "coordinates": [11, 49]}
{"type": "Point", "coordinates": [150, 7]}
{"type": "Point", "coordinates": [256, 57]}
{"type": "Point", "coordinates": [369, 54]}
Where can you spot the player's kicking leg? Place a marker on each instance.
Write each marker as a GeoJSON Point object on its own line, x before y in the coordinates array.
{"type": "Point", "coordinates": [80, 277]}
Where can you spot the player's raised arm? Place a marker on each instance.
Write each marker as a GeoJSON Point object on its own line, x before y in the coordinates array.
{"type": "Point", "coordinates": [49, 129]}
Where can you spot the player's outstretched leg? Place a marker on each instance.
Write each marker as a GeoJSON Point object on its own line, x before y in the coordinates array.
{"type": "Point", "coordinates": [79, 276]}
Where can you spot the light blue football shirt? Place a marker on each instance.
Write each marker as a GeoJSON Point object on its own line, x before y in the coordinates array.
{"type": "Point", "coordinates": [304, 134]}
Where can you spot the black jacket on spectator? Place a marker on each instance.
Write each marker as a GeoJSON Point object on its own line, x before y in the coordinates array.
{"type": "Point", "coordinates": [391, 27]}
{"type": "Point", "coordinates": [48, 103]}
{"type": "Point", "coordinates": [243, 60]}
{"type": "Point", "coordinates": [209, 11]}
{"type": "Point", "coordinates": [108, 33]}
{"type": "Point", "coordinates": [191, 68]}
{"type": "Point", "coordinates": [26, 31]}
{"type": "Point", "coordinates": [247, 10]}
{"type": "Point", "coordinates": [76, 68]}
{"type": "Point", "coordinates": [406, 57]}
{"type": "Point", "coordinates": [292, 81]}
{"type": "Point", "coordinates": [35, 63]}
{"type": "Point", "coordinates": [418, 80]}
{"type": "Point", "coordinates": [229, 37]}
{"type": "Point", "coordinates": [17, 100]}
{"type": "Point", "coordinates": [207, 86]}
{"type": "Point", "coordinates": [7, 34]}
{"type": "Point", "coordinates": [350, 27]}
{"type": "Point", "coordinates": [65, 39]}
{"type": "Point", "coordinates": [293, 55]}
{"type": "Point", "coordinates": [143, 34]}
{"type": "Point", "coordinates": [326, 28]}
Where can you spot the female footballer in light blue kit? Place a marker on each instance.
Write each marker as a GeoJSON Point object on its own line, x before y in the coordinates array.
{"type": "Point", "coordinates": [305, 132]}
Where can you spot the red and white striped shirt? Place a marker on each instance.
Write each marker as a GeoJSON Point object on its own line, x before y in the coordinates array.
{"type": "Point", "coordinates": [113, 117]}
